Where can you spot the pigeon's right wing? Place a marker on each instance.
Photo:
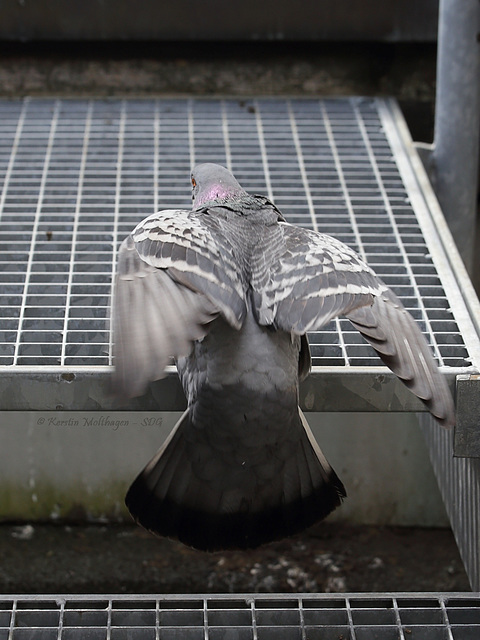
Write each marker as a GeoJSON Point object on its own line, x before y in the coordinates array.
{"type": "Point", "coordinates": [303, 279]}
{"type": "Point", "coordinates": [397, 339]}
{"type": "Point", "coordinates": [311, 278]}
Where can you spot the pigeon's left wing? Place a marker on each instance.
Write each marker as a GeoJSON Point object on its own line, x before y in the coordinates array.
{"type": "Point", "coordinates": [176, 273]}
{"type": "Point", "coordinates": [154, 319]}
{"type": "Point", "coordinates": [194, 249]}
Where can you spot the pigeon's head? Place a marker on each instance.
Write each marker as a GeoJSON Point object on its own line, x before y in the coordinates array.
{"type": "Point", "coordinates": [213, 182]}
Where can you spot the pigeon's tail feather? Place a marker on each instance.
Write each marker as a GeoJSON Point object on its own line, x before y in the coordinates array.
{"type": "Point", "coordinates": [395, 336]}
{"type": "Point", "coordinates": [220, 507]}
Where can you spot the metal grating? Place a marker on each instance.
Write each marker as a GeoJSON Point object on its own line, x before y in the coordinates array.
{"type": "Point", "coordinates": [459, 482]}
{"type": "Point", "coordinates": [78, 175]}
{"type": "Point", "coordinates": [260, 617]}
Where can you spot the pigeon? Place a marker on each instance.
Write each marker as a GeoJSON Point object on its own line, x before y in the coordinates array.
{"type": "Point", "coordinates": [230, 290]}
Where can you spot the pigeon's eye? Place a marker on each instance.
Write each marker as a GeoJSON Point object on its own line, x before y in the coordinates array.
{"type": "Point", "coordinates": [194, 184]}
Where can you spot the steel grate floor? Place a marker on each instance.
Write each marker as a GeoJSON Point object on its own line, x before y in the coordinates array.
{"type": "Point", "coordinates": [78, 175]}
{"type": "Point", "coordinates": [260, 617]}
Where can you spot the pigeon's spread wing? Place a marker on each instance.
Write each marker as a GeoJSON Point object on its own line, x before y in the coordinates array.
{"type": "Point", "coordinates": [173, 279]}
{"type": "Point", "coordinates": [154, 319]}
{"type": "Point", "coordinates": [395, 336]}
{"type": "Point", "coordinates": [308, 279]}
{"type": "Point", "coordinates": [314, 278]}
{"type": "Point", "coordinates": [197, 254]}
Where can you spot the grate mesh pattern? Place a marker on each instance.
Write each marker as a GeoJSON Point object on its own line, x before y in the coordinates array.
{"type": "Point", "coordinates": [78, 175]}
{"type": "Point", "coordinates": [312, 617]}
{"type": "Point", "coordinates": [459, 482]}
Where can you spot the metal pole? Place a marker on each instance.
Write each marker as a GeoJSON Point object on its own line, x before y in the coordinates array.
{"type": "Point", "coordinates": [455, 156]}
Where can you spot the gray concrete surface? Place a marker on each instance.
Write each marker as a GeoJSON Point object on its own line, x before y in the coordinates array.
{"type": "Point", "coordinates": [327, 558]}
{"type": "Point", "coordinates": [75, 467]}
{"type": "Point", "coordinates": [132, 68]}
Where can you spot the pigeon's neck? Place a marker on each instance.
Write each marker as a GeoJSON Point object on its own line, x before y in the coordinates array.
{"type": "Point", "coordinates": [218, 193]}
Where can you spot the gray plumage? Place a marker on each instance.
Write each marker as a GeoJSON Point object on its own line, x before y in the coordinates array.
{"type": "Point", "coordinates": [230, 289]}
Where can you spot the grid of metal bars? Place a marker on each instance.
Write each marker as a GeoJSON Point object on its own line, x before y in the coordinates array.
{"type": "Point", "coordinates": [459, 482]}
{"type": "Point", "coordinates": [260, 617]}
{"type": "Point", "coordinates": [78, 175]}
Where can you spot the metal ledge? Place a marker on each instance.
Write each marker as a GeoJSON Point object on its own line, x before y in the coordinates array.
{"type": "Point", "coordinates": [81, 389]}
{"type": "Point", "coordinates": [179, 20]}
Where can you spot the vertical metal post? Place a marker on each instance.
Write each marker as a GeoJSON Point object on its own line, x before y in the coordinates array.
{"type": "Point", "coordinates": [454, 160]}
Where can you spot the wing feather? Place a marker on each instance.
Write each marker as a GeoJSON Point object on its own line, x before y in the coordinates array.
{"type": "Point", "coordinates": [155, 318]}
{"type": "Point", "coordinates": [196, 252]}
{"type": "Point", "coordinates": [396, 337]}
{"type": "Point", "coordinates": [310, 278]}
